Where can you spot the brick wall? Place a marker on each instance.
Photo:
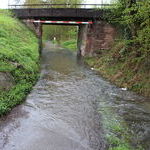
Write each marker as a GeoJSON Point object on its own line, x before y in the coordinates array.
{"type": "Point", "coordinates": [96, 37]}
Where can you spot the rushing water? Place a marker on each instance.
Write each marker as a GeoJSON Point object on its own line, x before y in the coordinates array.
{"type": "Point", "coordinates": [61, 112]}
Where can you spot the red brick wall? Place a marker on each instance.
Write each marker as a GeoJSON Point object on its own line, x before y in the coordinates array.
{"type": "Point", "coordinates": [96, 37]}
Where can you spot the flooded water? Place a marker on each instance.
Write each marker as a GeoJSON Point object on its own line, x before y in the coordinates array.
{"type": "Point", "coordinates": [65, 110]}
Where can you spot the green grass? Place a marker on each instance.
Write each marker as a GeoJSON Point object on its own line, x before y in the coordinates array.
{"type": "Point", "coordinates": [124, 70]}
{"type": "Point", "coordinates": [117, 133]}
{"type": "Point", "coordinates": [19, 56]}
{"type": "Point", "coordinates": [115, 129]}
{"type": "Point", "coordinates": [70, 44]}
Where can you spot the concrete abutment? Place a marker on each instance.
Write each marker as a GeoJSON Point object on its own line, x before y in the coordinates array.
{"type": "Point", "coordinates": [37, 29]}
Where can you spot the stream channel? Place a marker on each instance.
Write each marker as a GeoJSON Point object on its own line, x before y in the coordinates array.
{"type": "Point", "coordinates": [73, 108]}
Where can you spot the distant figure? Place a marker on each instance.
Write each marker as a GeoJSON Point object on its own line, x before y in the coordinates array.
{"type": "Point", "coordinates": [54, 41]}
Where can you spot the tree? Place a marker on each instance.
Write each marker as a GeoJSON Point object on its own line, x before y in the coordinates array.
{"type": "Point", "coordinates": [134, 15]}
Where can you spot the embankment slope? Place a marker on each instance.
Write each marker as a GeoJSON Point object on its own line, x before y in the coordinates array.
{"type": "Point", "coordinates": [19, 61]}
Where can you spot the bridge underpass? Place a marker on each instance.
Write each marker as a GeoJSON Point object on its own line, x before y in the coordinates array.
{"type": "Point", "coordinates": [94, 32]}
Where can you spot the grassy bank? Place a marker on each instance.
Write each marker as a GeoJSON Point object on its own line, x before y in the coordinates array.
{"type": "Point", "coordinates": [19, 57]}
{"type": "Point", "coordinates": [70, 44]}
{"type": "Point", "coordinates": [127, 64]}
{"type": "Point", "coordinates": [126, 71]}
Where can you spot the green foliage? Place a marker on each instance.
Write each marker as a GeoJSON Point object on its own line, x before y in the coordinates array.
{"type": "Point", "coordinates": [71, 44]}
{"type": "Point", "coordinates": [65, 2]}
{"type": "Point", "coordinates": [115, 129]}
{"type": "Point", "coordinates": [132, 18]}
{"type": "Point", "coordinates": [65, 35]}
{"type": "Point", "coordinates": [19, 56]}
{"type": "Point", "coordinates": [61, 33]}
{"type": "Point", "coordinates": [135, 15]}
{"type": "Point", "coordinates": [54, 2]}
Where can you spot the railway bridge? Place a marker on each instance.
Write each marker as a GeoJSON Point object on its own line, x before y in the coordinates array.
{"type": "Point", "coordinates": [94, 33]}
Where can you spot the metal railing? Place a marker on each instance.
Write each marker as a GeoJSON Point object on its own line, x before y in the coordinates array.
{"type": "Point", "coordinates": [67, 5]}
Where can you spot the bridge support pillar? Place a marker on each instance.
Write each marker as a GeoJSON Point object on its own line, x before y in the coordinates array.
{"type": "Point", "coordinates": [37, 29]}
{"type": "Point", "coordinates": [81, 42]}
{"type": "Point", "coordinates": [92, 39]}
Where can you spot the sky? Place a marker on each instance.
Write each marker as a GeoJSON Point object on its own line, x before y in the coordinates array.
{"type": "Point", "coordinates": [4, 3]}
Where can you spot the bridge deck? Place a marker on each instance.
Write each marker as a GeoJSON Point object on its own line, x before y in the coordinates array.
{"type": "Point", "coordinates": [71, 14]}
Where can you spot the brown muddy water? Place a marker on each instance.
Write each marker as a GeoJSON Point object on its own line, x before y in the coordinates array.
{"type": "Point", "coordinates": [70, 108]}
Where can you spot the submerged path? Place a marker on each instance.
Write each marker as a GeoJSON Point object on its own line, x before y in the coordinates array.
{"type": "Point", "coordinates": [61, 111]}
